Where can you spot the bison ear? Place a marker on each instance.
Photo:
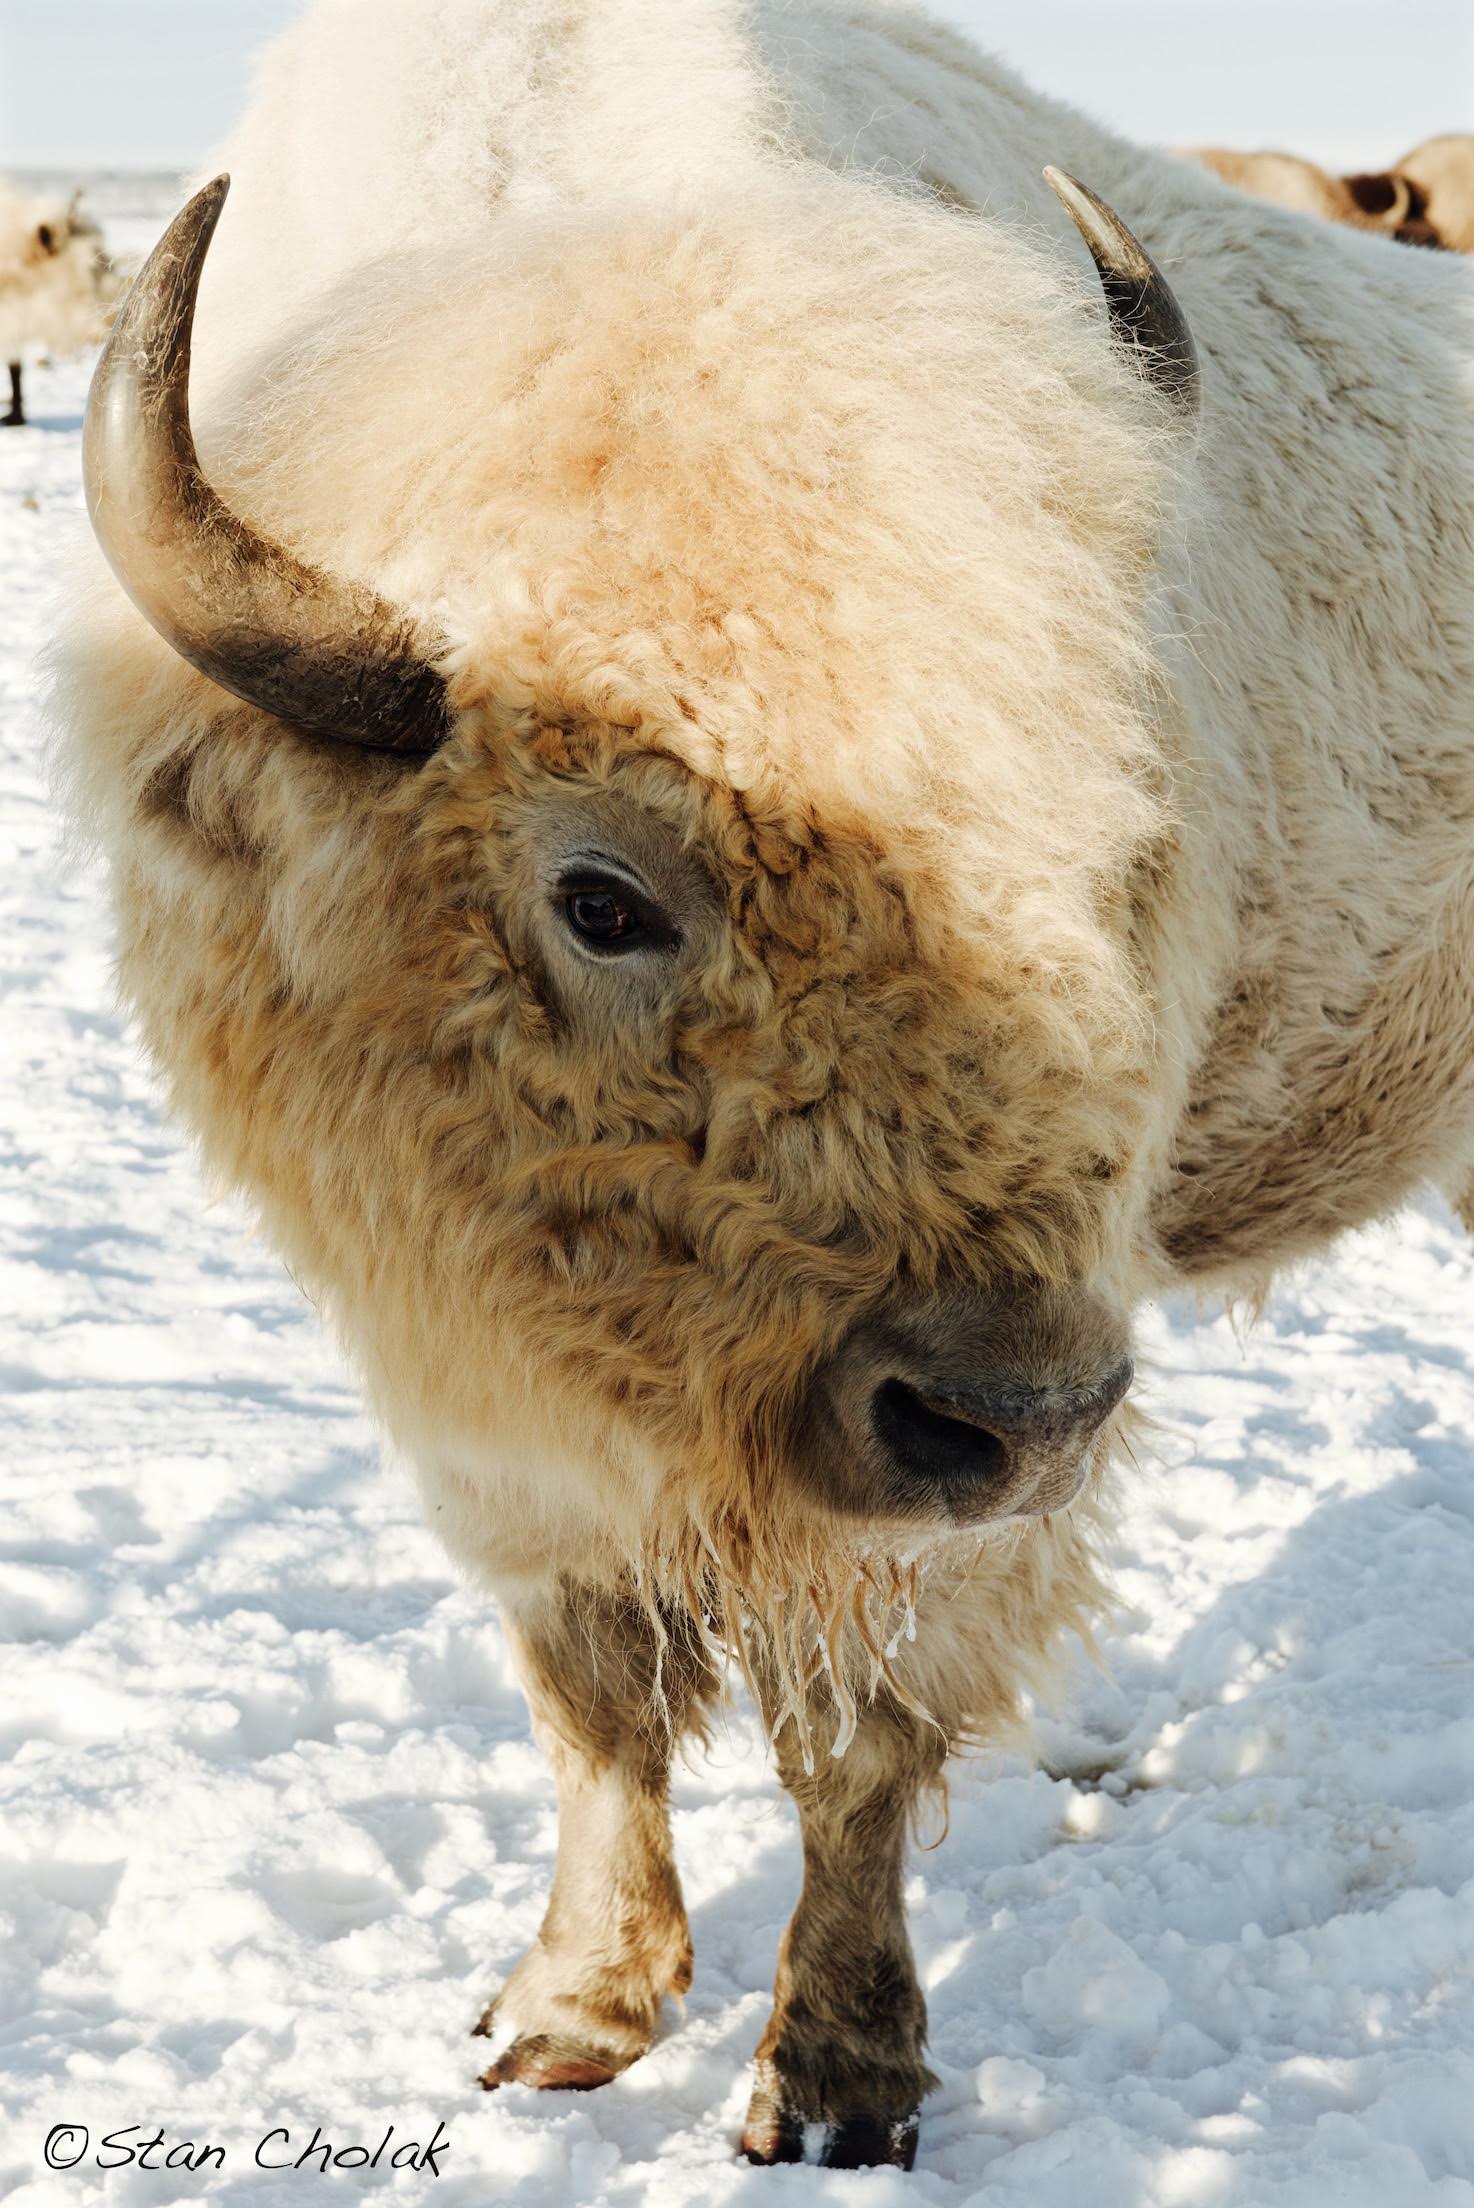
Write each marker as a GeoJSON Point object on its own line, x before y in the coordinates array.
{"type": "Point", "coordinates": [1142, 305]}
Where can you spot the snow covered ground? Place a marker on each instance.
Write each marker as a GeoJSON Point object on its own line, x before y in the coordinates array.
{"type": "Point", "coordinates": [272, 1825]}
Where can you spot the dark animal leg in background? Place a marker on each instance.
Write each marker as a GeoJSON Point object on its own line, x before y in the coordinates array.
{"type": "Point", "coordinates": [608, 1704]}
{"type": "Point", "coordinates": [17, 414]}
{"type": "Point", "coordinates": [843, 2047]}
{"type": "Point", "coordinates": [1463, 1204]}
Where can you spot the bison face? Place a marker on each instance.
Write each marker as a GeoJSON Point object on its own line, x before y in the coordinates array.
{"type": "Point", "coordinates": [934, 1408]}
{"type": "Point", "coordinates": [708, 1069]}
{"type": "Point", "coordinates": [68, 231]}
{"type": "Point", "coordinates": [763, 1163]}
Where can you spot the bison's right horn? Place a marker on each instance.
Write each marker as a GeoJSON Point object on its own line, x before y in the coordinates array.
{"type": "Point", "coordinates": [327, 656]}
{"type": "Point", "coordinates": [1143, 307]}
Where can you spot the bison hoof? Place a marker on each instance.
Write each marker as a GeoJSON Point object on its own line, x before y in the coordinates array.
{"type": "Point", "coordinates": [775, 2134]}
{"type": "Point", "coordinates": [570, 2028]}
{"type": "Point", "coordinates": [551, 2064]}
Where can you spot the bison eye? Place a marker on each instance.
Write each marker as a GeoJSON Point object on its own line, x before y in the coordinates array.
{"type": "Point", "coordinates": [599, 916]}
{"type": "Point", "coordinates": [609, 916]}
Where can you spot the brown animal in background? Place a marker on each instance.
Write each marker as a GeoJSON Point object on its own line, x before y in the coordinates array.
{"type": "Point", "coordinates": [57, 285]}
{"type": "Point", "coordinates": [1442, 170]}
{"type": "Point", "coordinates": [1390, 201]}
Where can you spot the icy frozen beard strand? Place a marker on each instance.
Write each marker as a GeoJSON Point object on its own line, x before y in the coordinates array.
{"type": "Point", "coordinates": [846, 1620]}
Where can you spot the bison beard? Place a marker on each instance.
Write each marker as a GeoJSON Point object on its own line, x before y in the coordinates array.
{"type": "Point", "coordinates": [753, 841]}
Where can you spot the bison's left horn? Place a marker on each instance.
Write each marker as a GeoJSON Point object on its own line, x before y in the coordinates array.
{"type": "Point", "coordinates": [328, 656]}
{"type": "Point", "coordinates": [1143, 307]}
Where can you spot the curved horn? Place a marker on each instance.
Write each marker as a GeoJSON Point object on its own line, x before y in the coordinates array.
{"type": "Point", "coordinates": [1142, 305]}
{"type": "Point", "coordinates": [327, 655]}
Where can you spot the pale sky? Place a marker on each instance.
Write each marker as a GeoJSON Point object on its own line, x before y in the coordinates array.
{"type": "Point", "coordinates": [155, 83]}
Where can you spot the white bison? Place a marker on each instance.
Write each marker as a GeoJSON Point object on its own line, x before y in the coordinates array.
{"type": "Point", "coordinates": [746, 812]}
{"type": "Point", "coordinates": [56, 283]}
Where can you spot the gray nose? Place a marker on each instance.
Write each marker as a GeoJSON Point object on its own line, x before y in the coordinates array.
{"type": "Point", "coordinates": [990, 1448]}
{"type": "Point", "coordinates": [961, 1408]}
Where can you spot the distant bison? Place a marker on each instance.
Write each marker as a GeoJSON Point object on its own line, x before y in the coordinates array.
{"type": "Point", "coordinates": [749, 797]}
{"type": "Point", "coordinates": [1426, 198]}
{"type": "Point", "coordinates": [1442, 170]}
{"type": "Point", "coordinates": [57, 286]}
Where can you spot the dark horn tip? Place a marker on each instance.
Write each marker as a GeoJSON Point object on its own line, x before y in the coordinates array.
{"type": "Point", "coordinates": [1144, 310]}
{"type": "Point", "coordinates": [1099, 225]}
{"type": "Point", "coordinates": [196, 220]}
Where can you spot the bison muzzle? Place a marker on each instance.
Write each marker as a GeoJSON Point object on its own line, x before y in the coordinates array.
{"type": "Point", "coordinates": [968, 1410]}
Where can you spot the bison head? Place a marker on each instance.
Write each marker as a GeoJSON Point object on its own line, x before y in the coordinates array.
{"type": "Point", "coordinates": [60, 231]}
{"type": "Point", "coordinates": [682, 994]}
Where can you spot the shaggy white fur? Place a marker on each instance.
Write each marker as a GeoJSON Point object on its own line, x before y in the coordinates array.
{"type": "Point", "coordinates": [1074, 813]}
{"type": "Point", "coordinates": [509, 305]}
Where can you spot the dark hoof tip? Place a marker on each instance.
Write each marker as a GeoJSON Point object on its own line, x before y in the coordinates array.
{"type": "Point", "coordinates": [775, 2135]}
{"type": "Point", "coordinates": [872, 2142]}
{"type": "Point", "coordinates": [548, 2068]}
{"type": "Point", "coordinates": [772, 2135]}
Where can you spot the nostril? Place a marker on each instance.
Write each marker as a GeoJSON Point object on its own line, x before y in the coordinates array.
{"type": "Point", "coordinates": [929, 1444]}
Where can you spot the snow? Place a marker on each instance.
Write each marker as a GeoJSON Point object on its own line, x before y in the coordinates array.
{"type": "Point", "coordinates": [272, 1825]}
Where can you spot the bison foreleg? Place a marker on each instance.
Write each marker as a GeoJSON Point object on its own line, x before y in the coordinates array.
{"type": "Point", "coordinates": [843, 2048]}
{"type": "Point", "coordinates": [608, 1700]}
{"type": "Point", "coordinates": [16, 417]}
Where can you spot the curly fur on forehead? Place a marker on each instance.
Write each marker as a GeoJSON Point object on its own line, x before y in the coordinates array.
{"type": "Point", "coordinates": [848, 493]}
